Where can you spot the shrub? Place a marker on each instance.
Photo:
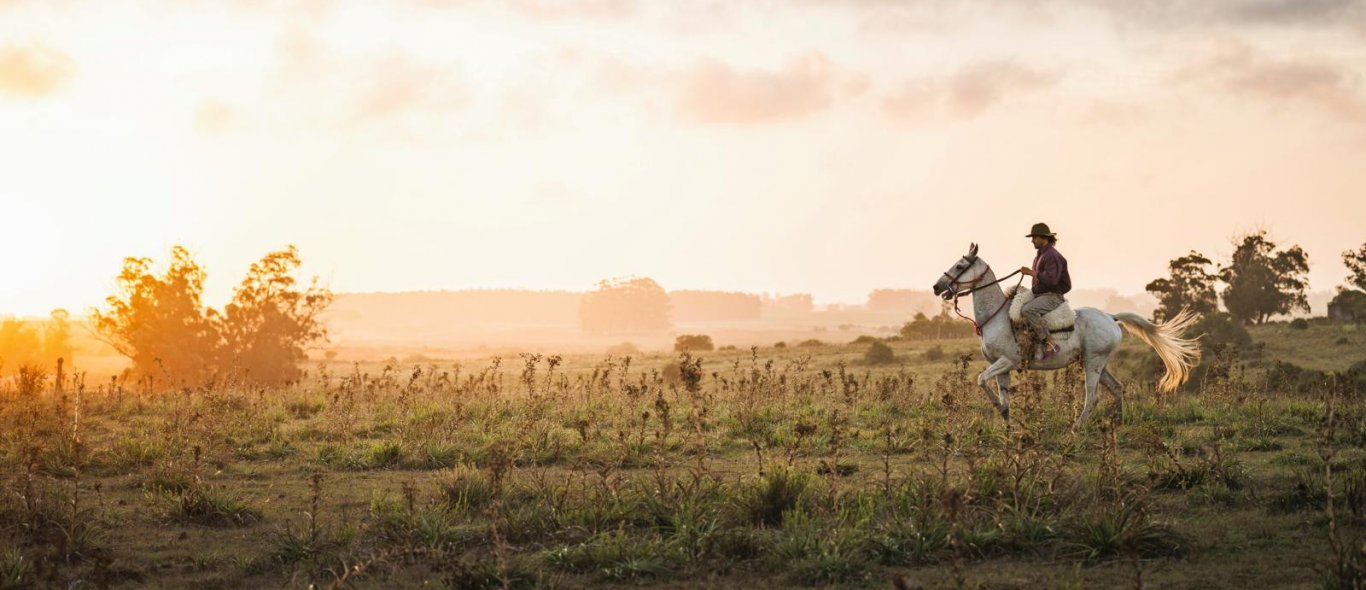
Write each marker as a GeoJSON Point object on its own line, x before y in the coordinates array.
{"type": "Point", "coordinates": [385, 454]}
{"type": "Point", "coordinates": [1103, 534]}
{"type": "Point", "coordinates": [1221, 329]}
{"type": "Point", "coordinates": [468, 488]}
{"type": "Point", "coordinates": [15, 571]}
{"type": "Point", "coordinates": [879, 353]}
{"type": "Point", "coordinates": [213, 506]}
{"type": "Point", "coordinates": [693, 342]}
{"type": "Point", "coordinates": [1299, 324]}
{"type": "Point", "coordinates": [778, 492]}
{"type": "Point", "coordinates": [935, 354]}
{"type": "Point", "coordinates": [811, 342]}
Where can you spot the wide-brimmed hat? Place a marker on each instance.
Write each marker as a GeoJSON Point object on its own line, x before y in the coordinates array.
{"type": "Point", "coordinates": [1040, 229]}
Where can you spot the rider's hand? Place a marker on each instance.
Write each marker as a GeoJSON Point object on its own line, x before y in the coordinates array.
{"type": "Point", "coordinates": [1025, 270]}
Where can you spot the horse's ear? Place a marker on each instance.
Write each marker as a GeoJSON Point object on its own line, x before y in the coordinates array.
{"type": "Point", "coordinates": [972, 251]}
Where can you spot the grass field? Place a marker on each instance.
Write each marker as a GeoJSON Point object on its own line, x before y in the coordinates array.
{"type": "Point", "coordinates": [769, 467]}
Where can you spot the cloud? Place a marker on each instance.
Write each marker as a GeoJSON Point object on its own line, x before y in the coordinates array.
{"type": "Point", "coordinates": [587, 9]}
{"type": "Point", "coordinates": [714, 92]}
{"type": "Point", "coordinates": [398, 84]}
{"type": "Point", "coordinates": [1169, 15]}
{"type": "Point", "coordinates": [1239, 70]}
{"type": "Point", "coordinates": [901, 17]}
{"type": "Point", "coordinates": [34, 71]}
{"type": "Point", "coordinates": [548, 10]}
{"type": "Point", "coordinates": [967, 92]}
{"type": "Point", "coordinates": [309, 82]}
{"type": "Point", "coordinates": [1290, 12]}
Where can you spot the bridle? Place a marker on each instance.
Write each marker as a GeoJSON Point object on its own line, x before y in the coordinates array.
{"type": "Point", "coordinates": [954, 282]}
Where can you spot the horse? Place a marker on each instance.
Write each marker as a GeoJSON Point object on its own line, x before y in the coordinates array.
{"type": "Point", "coordinates": [1095, 336]}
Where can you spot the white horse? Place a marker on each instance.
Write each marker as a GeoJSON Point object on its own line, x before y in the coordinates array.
{"type": "Point", "coordinates": [1094, 338]}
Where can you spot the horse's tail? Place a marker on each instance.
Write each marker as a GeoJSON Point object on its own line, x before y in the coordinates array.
{"type": "Point", "coordinates": [1178, 354]}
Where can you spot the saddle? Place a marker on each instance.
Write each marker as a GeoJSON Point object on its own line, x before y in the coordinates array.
{"type": "Point", "coordinates": [1060, 322]}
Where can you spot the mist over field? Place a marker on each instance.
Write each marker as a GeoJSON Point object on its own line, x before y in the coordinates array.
{"type": "Point", "coordinates": [481, 294]}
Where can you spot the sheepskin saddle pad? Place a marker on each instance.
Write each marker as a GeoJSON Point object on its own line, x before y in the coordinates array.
{"type": "Point", "coordinates": [1058, 320]}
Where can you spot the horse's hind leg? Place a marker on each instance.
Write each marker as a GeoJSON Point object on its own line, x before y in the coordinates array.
{"type": "Point", "coordinates": [1115, 388]}
{"type": "Point", "coordinates": [1092, 385]}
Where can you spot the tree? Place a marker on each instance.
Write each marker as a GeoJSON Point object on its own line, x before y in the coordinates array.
{"type": "Point", "coordinates": [1261, 281]}
{"type": "Point", "coordinates": [19, 343]}
{"type": "Point", "coordinates": [57, 335]}
{"type": "Point", "coordinates": [35, 342]}
{"type": "Point", "coordinates": [1356, 264]}
{"type": "Point", "coordinates": [162, 325]}
{"type": "Point", "coordinates": [160, 322]}
{"type": "Point", "coordinates": [1349, 305]}
{"type": "Point", "coordinates": [1190, 286]}
{"type": "Point", "coordinates": [625, 306]}
{"type": "Point", "coordinates": [270, 320]}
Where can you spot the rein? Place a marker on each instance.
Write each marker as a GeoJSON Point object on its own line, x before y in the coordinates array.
{"type": "Point", "coordinates": [974, 287]}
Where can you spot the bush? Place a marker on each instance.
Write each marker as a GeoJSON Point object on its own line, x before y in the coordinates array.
{"type": "Point", "coordinates": [1221, 329]}
{"type": "Point", "coordinates": [693, 342]}
{"type": "Point", "coordinates": [935, 354]}
{"type": "Point", "coordinates": [811, 342]}
{"type": "Point", "coordinates": [213, 506]}
{"type": "Point", "coordinates": [879, 353]}
{"type": "Point", "coordinates": [1299, 324]}
{"type": "Point", "coordinates": [767, 501]}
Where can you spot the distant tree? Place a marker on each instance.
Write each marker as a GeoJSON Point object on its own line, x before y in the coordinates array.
{"type": "Point", "coordinates": [1189, 286]}
{"type": "Point", "coordinates": [1261, 281]}
{"type": "Point", "coordinates": [713, 306]}
{"type": "Point", "coordinates": [20, 344]}
{"type": "Point", "coordinates": [160, 322]}
{"type": "Point", "coordinates": [1349, 305]}
{"type": "Point", "coordinates": [39, 343]}
{"type": "Point", "coordinates": [799, 303]}
{"type": "Point", "coordinates": [162, 325]}
{"type": "Point", "coordinates": [57, 335]}
{"type": "Point", "coordinates": [1356, 264]}
{"type": "Point", "coordinates": [271, 320]}
{"type": "Point", "coordinates": [939, 327]}
{"type": "Point", "coordinates": [693, 342]}
{"type": "Point", "coordinates": [625, 306]}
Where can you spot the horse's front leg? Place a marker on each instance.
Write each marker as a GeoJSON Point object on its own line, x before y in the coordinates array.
{"type": "Point", "coordinates": [1002, 366]}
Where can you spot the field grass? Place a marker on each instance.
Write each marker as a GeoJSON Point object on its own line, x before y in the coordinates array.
{"type": "Point", "coordinates": [795, 466]}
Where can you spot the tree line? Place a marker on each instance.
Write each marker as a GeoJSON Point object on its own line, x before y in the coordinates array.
{"type": "Point", "coordinates": [1257, 282]}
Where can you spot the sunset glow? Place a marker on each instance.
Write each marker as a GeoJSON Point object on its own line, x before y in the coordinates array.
{"type": "Point", "coordinates": [783, 146]}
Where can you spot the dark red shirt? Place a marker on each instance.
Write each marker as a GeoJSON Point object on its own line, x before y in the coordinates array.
{"type": "Point", "coordinates": [1050, 272]}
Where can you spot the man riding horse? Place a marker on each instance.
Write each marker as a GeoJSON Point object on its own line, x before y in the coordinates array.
{"type": "Point", "coordinates": [1051, 282]}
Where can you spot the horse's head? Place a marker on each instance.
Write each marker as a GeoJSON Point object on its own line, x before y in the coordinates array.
{"type": "Point", "coordinates": [960, 275]}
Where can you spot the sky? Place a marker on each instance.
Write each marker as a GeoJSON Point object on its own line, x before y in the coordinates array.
{"type": "Point", "coordinates": [825, 147]}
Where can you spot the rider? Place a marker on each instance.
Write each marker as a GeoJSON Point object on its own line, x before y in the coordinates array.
{"type": "Point", "coordinates": [1051, 282]}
